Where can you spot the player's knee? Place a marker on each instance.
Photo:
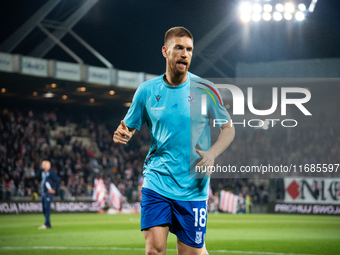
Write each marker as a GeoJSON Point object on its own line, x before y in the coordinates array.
{"type": "Point", "coordinates": [151, 252]}
{"type": "Point", "coordinates": [154, 250]}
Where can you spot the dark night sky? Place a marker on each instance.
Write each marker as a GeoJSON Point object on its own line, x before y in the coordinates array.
{"type": "Point", "coordinates": [129, 33]}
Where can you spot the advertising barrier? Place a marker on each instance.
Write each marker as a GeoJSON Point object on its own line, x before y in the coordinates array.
{"type": "Point", "coordinates": [304, 209]}
{"type": "Point", "coordinates": [312, 190]}
{"type": "Point", "coordinates": [129, 79]}
{"type": "Point", "coordinates": [318, 196]}
{"type": "Point", "coordinates": [65, 207]}
{"type": "Point", "coordinates": [6, 63]}
{"type": "Point", "coordinates": [36, 207]}
{"type": "Point", "coordinates": [99, 75]}
{"type": "Point", "coordinates": [34, 66]}
{"type": "Point", "coordinates": [67, 71]}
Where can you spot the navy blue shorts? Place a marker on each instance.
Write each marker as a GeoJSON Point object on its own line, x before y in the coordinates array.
{"type": "Point", "coordinates": [188, 219]}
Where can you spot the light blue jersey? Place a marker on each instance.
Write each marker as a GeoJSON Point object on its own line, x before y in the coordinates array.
{"type": "Point", "coordinates": [177, 126]}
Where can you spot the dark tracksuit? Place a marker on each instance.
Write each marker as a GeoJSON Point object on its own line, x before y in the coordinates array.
{"type": "Point", "coordinates": [48, 179]}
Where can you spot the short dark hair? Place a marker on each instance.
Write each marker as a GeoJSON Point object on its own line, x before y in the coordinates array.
{"type": "Point", "coordinates": [177, 31]}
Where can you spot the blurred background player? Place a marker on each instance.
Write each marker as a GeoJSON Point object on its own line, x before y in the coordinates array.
{"type": "Point", "coordinates": [172, 200]}
{"type": "Point", "coordinates": [49, 184]}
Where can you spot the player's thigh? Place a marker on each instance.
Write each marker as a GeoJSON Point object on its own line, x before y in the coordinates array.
{"type": "Point", "coordinates": [184, 249]}
{"type": "Point", "coordinates": [155, 210]}
{"type": "Point", "coordinates": [189, 222]}
{"type": "Point", "coordinates": [156, 219]}
{"type": "Point", "coordinates": [156, 239]}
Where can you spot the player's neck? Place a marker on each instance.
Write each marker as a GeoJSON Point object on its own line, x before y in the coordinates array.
{"type": "Point", "coordinates": [175, 79]}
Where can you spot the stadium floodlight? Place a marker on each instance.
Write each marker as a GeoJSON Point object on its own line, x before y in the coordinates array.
{"type": "Point", "coordinates": [266, 16]}
{"type": "Point", "coordinates": [277, 16]}
{"type": "Point", "coordinates": [288, 16]}
{"type": "Point", "coordinates": [289, 7]}
{"type": "Point", "coordinates": [300, 16]}
{"type": "Point", "coordinates": [302, 7]}
{"type": "Point", "coordinates": [257, 8]}
{"type": "Point", "coordinates": [267, 8]}
{"type": "Point", "coordinates": [256, 16]}
{"type": "Point", "coordinates": [280, 7]}
{"type": "Point", "coordinates": [245, 17]}
{"type": "Point", "coordinates": [312, 5]}
{"type": "Point", "coordinates": [245, 7]}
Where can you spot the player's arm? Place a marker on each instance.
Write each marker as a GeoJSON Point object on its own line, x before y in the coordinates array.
{"type": "Point", "coordinates": [123, 133]}
{"type": "Point", "coordinates": [226, 137]}
{"type": "Point", "coordinates": [52, 187]}
{"type": "Point", "coordinates": [134, 117]}
{"type": "Point", "coordinates": [50, 190]}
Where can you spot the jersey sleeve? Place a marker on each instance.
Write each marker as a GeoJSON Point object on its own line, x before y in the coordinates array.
{"type": "Point", "coordinates": [218, 110]}
{"type": "Point", "coordinates": [55, 180]}
{"type": "Point", "coordinates": [135, 116]}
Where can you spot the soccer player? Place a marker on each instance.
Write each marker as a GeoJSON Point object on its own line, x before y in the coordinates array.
{"type": "Point", "coordinates": [49, 184]}
{"type": "Point", "coordinates": [174, 198]}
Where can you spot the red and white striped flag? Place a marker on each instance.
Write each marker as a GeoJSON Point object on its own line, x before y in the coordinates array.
{"type": "Point", "coordinates": [228, 202]}
{"type": "Point", "coordinates": [99, 192]}
{"type": "Point", "coordinates": [210, 192]}
{"type": "Point", "coordinates": [140, 189]}
{"type": "Point", "coordinates": [114, 196]}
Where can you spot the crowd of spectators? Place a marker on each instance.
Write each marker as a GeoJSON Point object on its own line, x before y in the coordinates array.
{"type": "Point", "coordinates": [26, 140]}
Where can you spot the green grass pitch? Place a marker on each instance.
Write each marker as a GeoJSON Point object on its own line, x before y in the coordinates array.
{"type": "Point", "coordinates": [119, 234]}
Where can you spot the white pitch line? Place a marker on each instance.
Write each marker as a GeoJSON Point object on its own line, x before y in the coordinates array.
{"type": "Point", "coordinates": [137, 249]}
{"type": "Point", "coordinates": [256, 252]}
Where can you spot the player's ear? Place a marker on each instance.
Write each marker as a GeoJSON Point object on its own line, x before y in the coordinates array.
{"type": "Point", "coordinates": [165, 51]}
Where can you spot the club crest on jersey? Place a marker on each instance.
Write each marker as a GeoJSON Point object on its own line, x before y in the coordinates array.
{"type": "Point", "coordinates": [198, 238]}
{"type": "Point", "coordinates": [191, 99]}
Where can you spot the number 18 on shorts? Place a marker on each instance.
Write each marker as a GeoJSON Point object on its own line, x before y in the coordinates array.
{"type": "Point", "coordinates": [200, 222]}
{"type": "Point", "coordinates": [188, 219]}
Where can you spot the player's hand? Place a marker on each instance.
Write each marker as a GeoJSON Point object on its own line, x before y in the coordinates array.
{"type": "Point", "coordinates": [51, 191]}
{"type": "Point", "coordinates": [208, 159]}
{"type": "Point", "coordinates": [122, 135]}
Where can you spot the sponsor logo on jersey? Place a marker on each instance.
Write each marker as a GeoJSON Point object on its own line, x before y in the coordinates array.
{"type": "Point", "coordinates": [158, 97]}
{"type": "Point", "coordinates": [158, 108]}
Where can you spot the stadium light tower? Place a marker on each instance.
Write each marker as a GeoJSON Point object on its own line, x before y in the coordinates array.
{"type": "Point", "coordinates": [312, 5]}
{"type": "Point", "coordinates": [277, 10]}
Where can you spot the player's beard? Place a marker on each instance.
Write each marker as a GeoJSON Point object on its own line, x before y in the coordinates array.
{"type": "Point", "coordinates": [179, 71]}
